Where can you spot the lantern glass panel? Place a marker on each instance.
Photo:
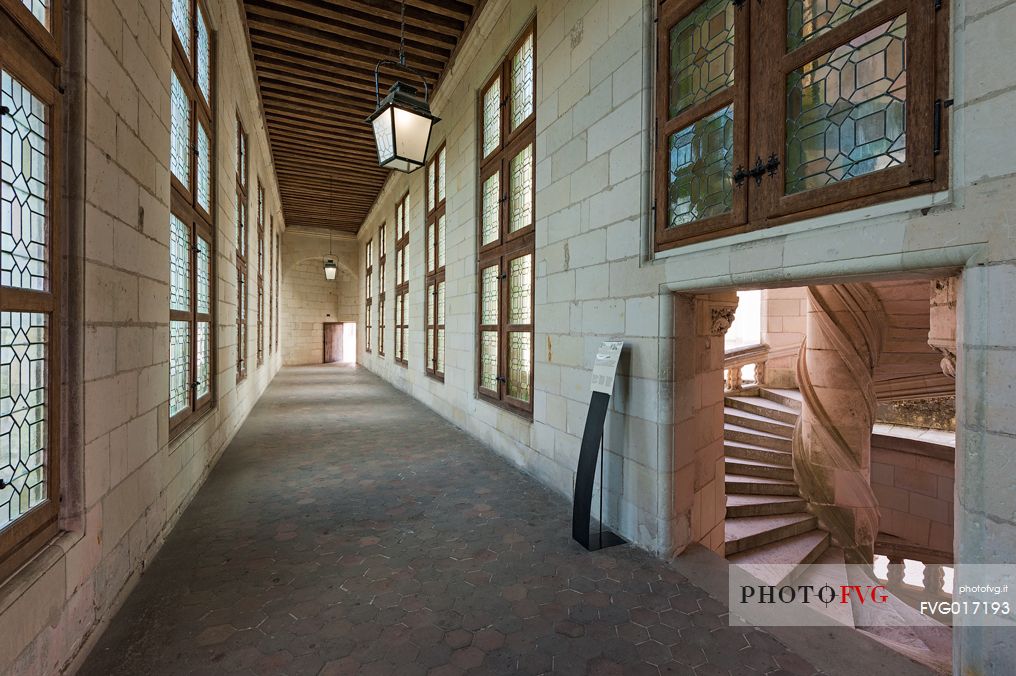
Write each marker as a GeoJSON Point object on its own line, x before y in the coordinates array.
{"type": "Point", "coordinates": [412, 132]}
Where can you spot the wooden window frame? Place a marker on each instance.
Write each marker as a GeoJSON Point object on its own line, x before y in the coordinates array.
{"type": "Point", "coordinates": [508, 245]}
{"type": "Point", "coordinates": [278, 283]}
{"type": "Point", "coordinates": [368, 296]}
{"type": "Point", "coordinates": [200, 222]}
{"type": "Point", "coordinates": [271, 284]}
{"type": "Point", "coordinates": [759, 92]}
{"type": "Point", "coordinates": [33, 56]}
{"type": "Point", "coordinates": [434, 272]}
{"type": "Point", "coordinates": [382, 260]}
{"type": "Point", "coordinates": [401, 279]}
{"type": "Point", "coordinates": [242, 243]}
{"type": "Point", "coordinates": [260, 323]}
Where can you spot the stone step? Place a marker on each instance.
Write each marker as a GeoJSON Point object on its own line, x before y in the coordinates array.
{"type": "Point", "coordinates": [757, 422]}
{"type": "Point", "coordinates": [762, 505]}
{"type": "Point", "coordinates": [747, 532]}
{"type": "Point", "coordinates": [765, 470]}
{"type": "Point", "coordinates": [797, 549]}
{"type": "Point", "coordinates": [734, 449]}
{"type": "Point", "coordinates": [791, 398]}
{"type": "Point", "coordinates": [765, 407]}
{"type": "Point", "coordinates": [746, 435]}
{"type": "Point", "coordinates": [751, 485]}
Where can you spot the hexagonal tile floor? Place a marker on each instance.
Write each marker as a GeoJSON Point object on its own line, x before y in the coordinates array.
{"type": "Point", "coordinates": [349, 529]}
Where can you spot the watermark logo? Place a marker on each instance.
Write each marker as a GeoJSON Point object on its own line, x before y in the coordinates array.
{"type": "Point", "coordinates": [853, 595]}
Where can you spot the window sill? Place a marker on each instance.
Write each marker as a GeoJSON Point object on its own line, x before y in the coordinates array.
{"type": "Point", "coordinates": [521, 413]}
{"type": "Point", "coordinates": [868, 213]}
{"type": "Point", "coordinates": [178, 435]}
{"type": "Point", "coordinates": [38, 565]}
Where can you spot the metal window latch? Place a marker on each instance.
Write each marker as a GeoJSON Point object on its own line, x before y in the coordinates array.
{"type": "Point", "coordinates": [739, 3]}
{"type": "Point", "coordinates": [501, 379]}
{"type": "Point", "coordinates": [739, 176]}
{"type": "Point", "coordinates": [772, 164]}
{"type": "Point", "coordinates": [4, 110]}
{"type": "Point", "coordinates": [758, 171]}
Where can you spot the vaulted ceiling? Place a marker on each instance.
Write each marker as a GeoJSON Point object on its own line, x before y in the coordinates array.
{"type": "Point", "coordinates": [315, 66]}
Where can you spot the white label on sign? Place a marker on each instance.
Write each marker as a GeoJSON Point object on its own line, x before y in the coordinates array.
{"type": "Point", "coordinates": [606, 366]}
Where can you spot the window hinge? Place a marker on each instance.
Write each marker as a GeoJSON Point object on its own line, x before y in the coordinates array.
{"type": "Point", "coordinates": [938, 5]}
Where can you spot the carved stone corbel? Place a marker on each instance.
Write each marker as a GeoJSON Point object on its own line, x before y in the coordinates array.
{"type": "Point", "coordinates": [942, 324]}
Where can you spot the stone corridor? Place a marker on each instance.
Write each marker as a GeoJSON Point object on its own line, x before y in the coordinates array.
{"type": "Point", "coordinates": [349, 529]}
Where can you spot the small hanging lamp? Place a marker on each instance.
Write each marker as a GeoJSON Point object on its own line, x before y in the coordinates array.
{"type": "Point", "coordinates": [403, 121]}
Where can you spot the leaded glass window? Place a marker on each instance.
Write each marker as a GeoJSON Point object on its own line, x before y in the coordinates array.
{"type": "Point", "coordinates": [368, 325]}
{"type": "Point", "coordinates": [520, 208]}
{"type": "Point", "coordinates": [24, 424]}
{"type": "Point", "coordinates": [260, 307]}
{"type": "Point", "coordinates": [179, 265]}
{"type": "Point", "coordinates": [490, 217]}
{"type": "Point", "coordinates": [204, 51]}
{"type": "Point", "coordinates": [191, 222]}
{"type": "Point", "coordinates": [24, 235]}
{"type": "Point", "coordinates": [401, 281]}
{"type": "Point", "coordinates": [847, 110]}
{"type": "Point", "coordinates": [506, 230]}
{"type": "Point", "coordinates": [522, 83]}
{"type": "Point", "coordinates": [179, 138]}
{"type": "Point", "coordinates": [204, 359]}
{"type": "Point", "coordinates": [242, 346]}
{"type": "Point", "coordinates": [382, 258]}
{"type": "Point", "coordinates": [31, 296]}
{"type": "Point", "coordinates": [848, 102]}
{"type": "Point", "coordinates": [179, 366]}
{"type": "Point", "coordinates": [183, 27]}
{"type": "Point", "coordinates": [433, 306]}
{"type": "Point", "coordinates": [491, 123]}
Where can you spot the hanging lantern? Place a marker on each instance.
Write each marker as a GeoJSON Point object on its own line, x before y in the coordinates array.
{"type": "Point", "coordinates": [330, 268]}
{"type": "Point", "coordinates": [402, 122]}
{"type": "Point", "coordinates": [402, 125]}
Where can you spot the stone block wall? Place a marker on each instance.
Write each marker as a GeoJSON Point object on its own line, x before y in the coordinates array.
{"type": "Point", "coordinates": [309, 300]}
{"type": "Point", "coordinates": [784, 312]}
{"type": "Point", "coordinates": [128, 483]}
{"type": "Point", "coordinates": [597, 279]}
{"type": "Point", "coordinates": [914, 484]}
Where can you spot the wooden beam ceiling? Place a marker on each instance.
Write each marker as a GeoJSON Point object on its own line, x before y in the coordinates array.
{"type": "Point", "coordinates": [315, 66]}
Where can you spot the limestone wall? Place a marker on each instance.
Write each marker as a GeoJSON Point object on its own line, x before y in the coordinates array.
{"type": "Point", "coordinates": [784, 312]}
{"type": "Point", "coordinates": [596, 278]}
{"type": "Point", "coordinates": [128, 484]}
{"type": "Point", "coordinates": [914, 484]}
{"type": "Point", "coordinates": [309, 300]}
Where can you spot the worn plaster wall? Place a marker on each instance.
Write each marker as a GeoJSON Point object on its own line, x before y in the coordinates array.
{"type": "Point", "coordinates": [309, 300]}
{"type": "Point", "coordinates": [134, 480]}
{"type": "Point", "coordinates": [597, 280]}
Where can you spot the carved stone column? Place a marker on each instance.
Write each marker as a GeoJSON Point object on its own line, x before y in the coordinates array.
{"type": "Point", "coordinates": [942, 325]}
{"type": "Point", "coordinates": [832, 445]}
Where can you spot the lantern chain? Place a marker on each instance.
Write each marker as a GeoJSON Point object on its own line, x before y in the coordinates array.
{"type": "Point", "coordinates": [402, 34]}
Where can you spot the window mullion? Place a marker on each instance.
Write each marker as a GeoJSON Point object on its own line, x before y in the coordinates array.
{"type": "Point", "coordinates": [767, 90]}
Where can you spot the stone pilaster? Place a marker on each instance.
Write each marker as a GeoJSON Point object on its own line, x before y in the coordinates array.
{"type": "Point", "coordinates": [832, 444]}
